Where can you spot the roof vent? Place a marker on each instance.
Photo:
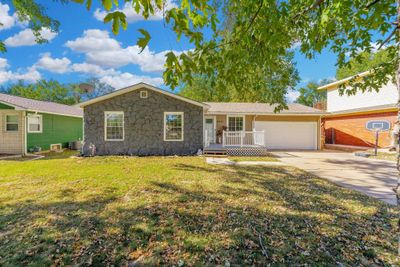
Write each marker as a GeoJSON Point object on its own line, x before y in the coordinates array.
{"type": "Point", "coordinates": [143, 94]}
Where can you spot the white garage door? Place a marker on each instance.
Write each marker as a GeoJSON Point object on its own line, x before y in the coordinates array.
{"type": "Point", "coordinates": [288, 134]}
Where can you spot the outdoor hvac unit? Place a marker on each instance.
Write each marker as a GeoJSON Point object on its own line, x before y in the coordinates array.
{"type": "Point", "coordinates": [76, 145]}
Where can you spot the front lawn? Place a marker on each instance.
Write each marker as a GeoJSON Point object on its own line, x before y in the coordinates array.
{"type": "Point", "coordinates": [385, 156]}
{"type": "Point", "coordinates": [181, 211]}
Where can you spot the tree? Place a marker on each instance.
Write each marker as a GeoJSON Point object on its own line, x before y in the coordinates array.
{"type": "Point", "coordinates": [367, 61]}
{"type": "Point", "coordinates": [94, 89]}
{"type": "Point", "coordinates": [310, 95]}
{"type": "Point", "coordinates": [43, 90]}
{"type": "Point", "coordinates": [254, 37]}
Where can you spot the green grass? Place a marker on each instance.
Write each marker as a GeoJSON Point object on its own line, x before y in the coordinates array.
{"type": "Point", "coordinates": [385, 156]}
{"type": "Point", "coordinates": [265, 158]}
{"type": "Point", "coordinates": [181, 211]}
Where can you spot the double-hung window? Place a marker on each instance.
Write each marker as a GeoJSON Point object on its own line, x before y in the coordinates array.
{"type": "Point", "coordinates": [35, 123]}
{"type": "Point", "coordinates": [114, 126]}
{"type": "Point", "coordinates": [235, 123]}
{"type": "Point", "coordinates": [12, 123]}
{"type": "Point", "coordinates": [173, 126]}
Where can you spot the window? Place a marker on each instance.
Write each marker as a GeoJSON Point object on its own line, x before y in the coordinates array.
{"type": "Point", "coordinates": [34, 123]}
{"type": "Point", "coordinates": [143, 94]}
{"type": "Point", "coordinates": [11, 123]}
{"type": "Point", "coordinates": [235, 123]}
{"type": "Point", "coordinates": [114, 125]}
{"type": "Point", "coordinates": [173, 126]}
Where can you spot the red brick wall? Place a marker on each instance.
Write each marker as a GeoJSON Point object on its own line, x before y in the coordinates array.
{"type": "Point", "coordinates": [350, 130]}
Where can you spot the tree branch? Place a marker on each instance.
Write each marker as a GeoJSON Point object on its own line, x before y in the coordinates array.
{"type": "Point", "coordinates": [372, 3]}
{"type": "Point", "coordinates": [316, 4]}
{"type": "Point", "coordinates": [389, 37]}
{"type": "Point", "coordinates": [244, 32]}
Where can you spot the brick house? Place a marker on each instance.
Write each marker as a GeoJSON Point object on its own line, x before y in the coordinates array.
{"type": "Point", "coordinates": [345, 122]}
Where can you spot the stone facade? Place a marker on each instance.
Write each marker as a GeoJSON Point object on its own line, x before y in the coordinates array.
{"type": "Point", "coordinates": [144, 125]}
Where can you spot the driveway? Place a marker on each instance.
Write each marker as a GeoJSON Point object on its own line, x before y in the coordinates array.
{"type": "Point", "coordinates": [375, 178]}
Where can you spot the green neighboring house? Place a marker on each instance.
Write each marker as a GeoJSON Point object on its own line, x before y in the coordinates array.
{"type": "Point", "coordinates": [27, 124]}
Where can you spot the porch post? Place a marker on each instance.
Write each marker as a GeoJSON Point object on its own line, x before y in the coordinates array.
{"type": "Point", "coordinates": [223, 138]}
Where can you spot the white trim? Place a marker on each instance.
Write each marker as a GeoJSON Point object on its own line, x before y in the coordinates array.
{"type": "Point", "coordinates": [235, 115]}
{"type": "Point", "coordinates": [5, 123]}
{"type": "Point", "coordinates": [25, 135]}
{"type": "Point", "coordinates": [183, 125]}
{"type": "Point", "coordinates": [12, 105]}
{"type": "Point", "coordinates": [336, 83]}
{"type": "Point", "coordinates": [40, 123]}
{"type": "Point", "coordinates": [105, 125]}
{"type": "Point", "coordinates": [137, 87]}
{"type": "Point", "coordinates": [214, 118]}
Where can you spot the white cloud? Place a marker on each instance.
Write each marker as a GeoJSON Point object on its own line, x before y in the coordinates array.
{"type": "Point", "coordinates": [102, 50]}
{"type": "Point", "coordinates": [6, 20]}
{"type": "Point", "coordinates": [93, 40]}
{"type": "Point", "coordinates": [92, 69]}
{"type": "Point", "coordinates": [27, 38]}
{"type": "Point", "coordinates": [31, 75]}
{"type": "Point", "coordinates": [292, 95]}
{"type": "Point", "coordinates": [57, 65]}
{"type": "Point", "coordinates": [3, 64]}
{"type": "Point", "coordinates": [125, 79]}
{"type": "Point", "coordinates": [132, 16]}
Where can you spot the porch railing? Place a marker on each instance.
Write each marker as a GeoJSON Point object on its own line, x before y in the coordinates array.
{"type": "Point", "coordinates": [243, 138]}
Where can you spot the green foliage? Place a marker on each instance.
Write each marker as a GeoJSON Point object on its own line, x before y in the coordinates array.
{"type": "Point", "coordinates": [310, 95]}
{"type": "Point", "coordinates": [250, 41]}
{"type": "Point", "coordinates": [364, 62]}
{"type": "Point", "coordinates": [54, 91]}
{"type": "Point", "coordinates": [43, 90]}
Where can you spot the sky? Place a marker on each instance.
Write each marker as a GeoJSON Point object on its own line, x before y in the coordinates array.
{"type": "Point", "coordinates": [85, 47]}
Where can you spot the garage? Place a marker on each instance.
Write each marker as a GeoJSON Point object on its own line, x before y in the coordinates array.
{"type": "Point", "coordinates": [289, 134]}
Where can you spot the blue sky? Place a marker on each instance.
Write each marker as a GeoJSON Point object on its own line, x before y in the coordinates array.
{"type": "Point", "coordinates": [85, 47]}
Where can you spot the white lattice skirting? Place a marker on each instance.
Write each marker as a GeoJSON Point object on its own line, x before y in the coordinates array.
{"type": "Point", "coordinates": [246, 151]}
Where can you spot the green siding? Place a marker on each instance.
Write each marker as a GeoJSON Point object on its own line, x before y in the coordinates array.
{"type": "Point", "coordinates": [4, 106]}
{"type": "Point", "coordinates": [56, 129]}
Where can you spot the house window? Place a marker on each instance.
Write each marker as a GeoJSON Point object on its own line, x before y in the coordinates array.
{"type": "Point", "coordinates": [11, 123]}
{"type": "Point", "coordinates": [173, 126]}
{"type": "Point", "coordinates": [114, 125]}
{"type": "Point", "coordinates": [35, 123]}
{"type": "Point", "coordinates": [235, 123]}
{"type": "Point", "coordinates": [143, 94]}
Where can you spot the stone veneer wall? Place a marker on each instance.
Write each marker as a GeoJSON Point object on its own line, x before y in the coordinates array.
{"type": "Point", "coordinates": [144, 125]}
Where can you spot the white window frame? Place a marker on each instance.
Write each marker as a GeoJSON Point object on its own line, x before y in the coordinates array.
{"type": "Point", "coordinates": [144, 94]}
{"type": "Point", "coordinates": [5, 120]}
{"type": "Point", "coordinates": [165, 124]}
{"type": "Point", "coordinates": [105, 125]}
{"type": "Point", "coordinates": [236, 116]}
{"type": "Point", "coordinates": [40, 123]}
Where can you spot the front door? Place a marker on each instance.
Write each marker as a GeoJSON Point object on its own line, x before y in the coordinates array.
{"type": "Point", "coordinates": [209, 126]}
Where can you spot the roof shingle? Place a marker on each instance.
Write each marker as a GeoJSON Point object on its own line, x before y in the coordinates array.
{"type": "Point", "coordinates": [40, 106]}
{"type": "Point", "coordinates": [259, 108]}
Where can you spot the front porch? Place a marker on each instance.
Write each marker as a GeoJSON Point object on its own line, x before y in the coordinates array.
{"type": "Point", "coordinates": [235, 143]}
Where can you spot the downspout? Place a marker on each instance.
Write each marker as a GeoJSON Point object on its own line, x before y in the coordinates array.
{"type": "Point", "coordinates": [24, 136]}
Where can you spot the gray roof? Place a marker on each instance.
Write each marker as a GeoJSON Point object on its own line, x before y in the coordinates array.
{"type": "Point", "coordinates": [23, 103]}
{"type": "Point", "coordinates": [259, 108]}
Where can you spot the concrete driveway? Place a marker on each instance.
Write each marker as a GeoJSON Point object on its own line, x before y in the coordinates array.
{"type": "Point", "coordinates": [375, 178]}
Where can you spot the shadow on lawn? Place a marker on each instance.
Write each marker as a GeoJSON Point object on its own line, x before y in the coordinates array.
{"type": "Point", "coordinates": [254, 216]}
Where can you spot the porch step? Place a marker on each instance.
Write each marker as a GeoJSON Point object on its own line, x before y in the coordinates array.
{"type": "Point", "coordinates": [214, 151]}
